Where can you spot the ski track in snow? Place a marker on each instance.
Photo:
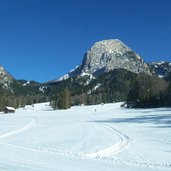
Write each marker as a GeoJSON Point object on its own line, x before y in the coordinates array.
{"type": "Point", "coordinates": [116, 148]}
{"type": "Point", "coordinates": [84, 157]}
{"type": "Point", "coordinates": [18, 131]}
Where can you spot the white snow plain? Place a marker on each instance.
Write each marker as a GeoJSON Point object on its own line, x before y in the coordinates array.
{"type": "Point", "coordinates": [85, 138]}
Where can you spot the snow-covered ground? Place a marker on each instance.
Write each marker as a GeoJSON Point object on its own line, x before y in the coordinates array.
{"type": "Point", "coordinates": [85, 138]}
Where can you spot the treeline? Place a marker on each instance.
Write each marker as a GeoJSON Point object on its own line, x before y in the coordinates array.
{"type": "Point", "coordinates": [21, 101]}
{"type": "Point", "coordinates": [136, 90]}
{"type": "Point", "coordinates": [112, 86]}
{"type": "Point", "coordinates": [147, 92]}
{"type": "Point", "coordinates": [16, 95]}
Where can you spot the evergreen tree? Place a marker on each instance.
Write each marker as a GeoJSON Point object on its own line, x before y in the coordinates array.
{"type": "Point", "coordinates": [64, 99]}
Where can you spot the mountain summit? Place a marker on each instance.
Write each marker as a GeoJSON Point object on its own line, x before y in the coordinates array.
{"type": "Point", "coordinates": [107, 55]}
{"type": "Point", "coordinates": [112, 54]}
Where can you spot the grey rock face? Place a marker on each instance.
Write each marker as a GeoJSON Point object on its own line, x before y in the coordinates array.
{"type": "Point", "coordinates": [112, 54]}
{"type": "Point", "coordinates": [5, 77]}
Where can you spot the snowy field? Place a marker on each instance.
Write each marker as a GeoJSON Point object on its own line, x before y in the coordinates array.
{"type": "Point", "coordinates": [85, 138]}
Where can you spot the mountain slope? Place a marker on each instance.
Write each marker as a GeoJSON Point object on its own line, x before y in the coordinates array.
{"type": "Point", "coordinates": [5, 77]}
{"type": "Point", "coordinates": [19, 87]}
{"type": "Point", "coordinates": [20, 92]}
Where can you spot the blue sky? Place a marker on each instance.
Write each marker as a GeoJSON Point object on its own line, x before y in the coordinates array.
{"type": "Point", "coordinates": [43, 39]}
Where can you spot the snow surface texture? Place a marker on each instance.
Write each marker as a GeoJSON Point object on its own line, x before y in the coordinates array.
{"type": "Point", "coordinates": [85, 138]}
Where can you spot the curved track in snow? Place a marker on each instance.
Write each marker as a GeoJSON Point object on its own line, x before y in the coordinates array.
{"type": "Point", "coordinates": [18, 131]}
{"type": "Point", "coordinates": [124, 141]}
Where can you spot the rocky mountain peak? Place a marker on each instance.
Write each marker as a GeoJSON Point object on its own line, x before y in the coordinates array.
{"type": "Point", "coordinates": [109, 46]}
{"type": "Point", "coordinates": [111, 54]}
{"type": "Point", "coordinates": [107, 55]}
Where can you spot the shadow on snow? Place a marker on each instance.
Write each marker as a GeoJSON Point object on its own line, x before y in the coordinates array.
{"type": "Point", "coordinates": [158, 119]}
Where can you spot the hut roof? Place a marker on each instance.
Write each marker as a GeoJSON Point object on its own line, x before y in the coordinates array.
{"type": "Point", "coordinates": [9, 108]}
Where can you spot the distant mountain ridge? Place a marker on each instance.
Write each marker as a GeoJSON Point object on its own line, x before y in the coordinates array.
{"type": "Point", "coordinates": [8, 82]}
{"type": "Point", "coordinates": [17, 93]}
{"type": "Point", "coordinates": [161, 69]}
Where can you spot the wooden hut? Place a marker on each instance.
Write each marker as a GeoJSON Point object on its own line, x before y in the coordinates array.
{"type": "Point", "coordinates": [9, 109]}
